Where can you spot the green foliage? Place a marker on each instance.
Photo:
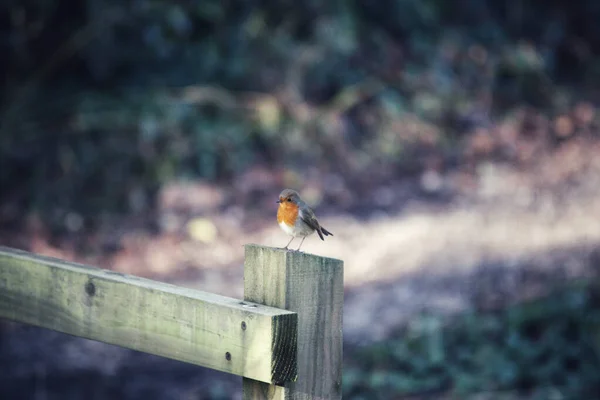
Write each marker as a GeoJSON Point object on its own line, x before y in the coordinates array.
{"type": "Point", "coordinates": [548, 347]}
{"type": "Point", "coordinates": [105, 100]}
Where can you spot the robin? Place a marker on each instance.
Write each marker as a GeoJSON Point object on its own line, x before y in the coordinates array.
{"type": "Point", "coordinates": [296, 218]}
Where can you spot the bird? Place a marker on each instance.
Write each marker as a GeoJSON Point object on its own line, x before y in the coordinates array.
{"type": "Point", "coordinates": [296, 218]}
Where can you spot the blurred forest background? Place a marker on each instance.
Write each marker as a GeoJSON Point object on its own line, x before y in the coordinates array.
{"type": "Point", "coordinates": [451, 146]}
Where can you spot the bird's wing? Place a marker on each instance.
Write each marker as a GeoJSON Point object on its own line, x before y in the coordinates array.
{"type": "Point", "coordinates": [309, 218]}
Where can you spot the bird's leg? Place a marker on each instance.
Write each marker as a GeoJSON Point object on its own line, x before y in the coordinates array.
{"type": "Point", "coordinates": [286, 246]}
{"type": "Point", "coordinates": [301, 243]}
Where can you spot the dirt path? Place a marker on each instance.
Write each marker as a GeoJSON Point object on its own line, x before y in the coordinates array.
{"type": "Point", "coordinates": [517, 236]}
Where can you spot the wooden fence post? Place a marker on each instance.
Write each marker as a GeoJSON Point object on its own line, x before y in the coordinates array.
{"type": "Point", "coordinates": [313, 287]}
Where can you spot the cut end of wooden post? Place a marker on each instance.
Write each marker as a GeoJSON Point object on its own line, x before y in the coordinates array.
{"type": "Point", "coordinates": [285, 344]}
{"type": "Point", "coordinates": [287, 252]}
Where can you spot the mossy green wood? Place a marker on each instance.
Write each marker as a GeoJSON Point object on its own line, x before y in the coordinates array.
{"type": "Point", "coordinates": [213, 331]}
{"type": "Point", "coordinates": [313, 287]}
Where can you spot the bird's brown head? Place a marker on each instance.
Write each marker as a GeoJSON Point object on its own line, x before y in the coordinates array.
{"type": "Point", "coordinates": [288, 197]}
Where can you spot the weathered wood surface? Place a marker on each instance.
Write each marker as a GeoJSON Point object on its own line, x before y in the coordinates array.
{"type": "Point", "coordinates": [213, 331]}
{"type": "Point", "coordinates": [313, 287]}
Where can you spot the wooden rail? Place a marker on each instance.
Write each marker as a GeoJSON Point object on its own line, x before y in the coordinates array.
{"type": "Point", "coordinates": [218, 332]}
{"type": "Point", "coordinates": [293, 351]}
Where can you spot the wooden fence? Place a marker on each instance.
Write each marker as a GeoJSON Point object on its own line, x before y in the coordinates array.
{"type": "Point", "coordinates": [284, 337]}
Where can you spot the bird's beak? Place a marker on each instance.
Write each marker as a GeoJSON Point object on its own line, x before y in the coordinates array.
{"type": "Point", "coordinates": [278, 201]}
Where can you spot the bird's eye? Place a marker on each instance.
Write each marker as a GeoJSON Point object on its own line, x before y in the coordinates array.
{"type": "Point", "coordinates": [289, 199]}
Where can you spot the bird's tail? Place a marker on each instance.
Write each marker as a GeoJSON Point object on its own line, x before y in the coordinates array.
{"type": "Point", "coordinates": [325, 232]}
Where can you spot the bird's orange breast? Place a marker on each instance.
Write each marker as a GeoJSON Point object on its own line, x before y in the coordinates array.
{"type": "Point", "coordinates": [287, 213]}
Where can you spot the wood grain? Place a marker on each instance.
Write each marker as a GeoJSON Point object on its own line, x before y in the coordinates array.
{"type": "Point", "coordinates": [226, 334]}
{"type": "Point", "coordinates": [311, 286]}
